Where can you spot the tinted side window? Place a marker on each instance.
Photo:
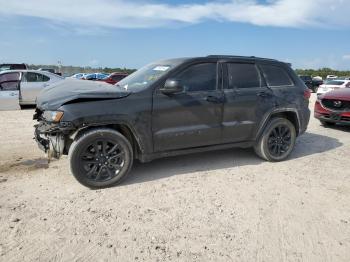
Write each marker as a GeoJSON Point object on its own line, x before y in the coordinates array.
{"type": "Point", "coordinates": [45, 78]}
{"type": "Point", "coordinates": [9, 82]}
{"type": "Point", "coordinates": [243, 76]}
{"type": "Point", "coordinates": [35, 77]}
{"type": "Point", "coordinates": [276, 76]}
{"type": "Point", "coordinates": [9, 77]}
{"type": "Point", "coordinates": [200, 77]}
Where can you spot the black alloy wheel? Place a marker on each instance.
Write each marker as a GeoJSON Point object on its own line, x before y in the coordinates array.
{"type": "Point", "coordinates": [279, 140]}
{"type": "Point", "coordinates": [100, 158]}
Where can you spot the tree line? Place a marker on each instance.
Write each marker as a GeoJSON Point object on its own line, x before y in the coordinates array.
{"type": "Point", "coordinates": [323, 72]}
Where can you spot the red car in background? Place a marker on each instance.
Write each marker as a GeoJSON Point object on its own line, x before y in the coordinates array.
{"type": "Point", "coordinates": [114, 78]}
{"type": "Point", "coordinates": [333, 107]}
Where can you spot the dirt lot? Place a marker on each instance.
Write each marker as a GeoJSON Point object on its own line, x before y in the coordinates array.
{"type": "Point", "coordinates": [218, 206]}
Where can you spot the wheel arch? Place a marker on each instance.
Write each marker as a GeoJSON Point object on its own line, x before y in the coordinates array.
{"type": "Point", "coordinates": [122, 128]}
{"type": "Point", "coordinates": [288, 113]}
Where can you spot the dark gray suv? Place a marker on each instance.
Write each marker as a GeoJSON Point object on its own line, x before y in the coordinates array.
{"type": "Point", "coordinates": [173, 107]}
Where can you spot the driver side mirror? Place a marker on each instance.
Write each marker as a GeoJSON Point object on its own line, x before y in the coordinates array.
{"type": "Point", "coordinates": [172, 86]}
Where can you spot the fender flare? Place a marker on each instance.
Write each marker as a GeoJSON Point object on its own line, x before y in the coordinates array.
{"type": "Point", "coordinates": [270, 114]}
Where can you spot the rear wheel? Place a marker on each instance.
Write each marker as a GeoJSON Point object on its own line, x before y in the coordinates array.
{"type": "Point", "coordinates": [100, 158]}
{"type": "Point", "coordinates": [277, 141]}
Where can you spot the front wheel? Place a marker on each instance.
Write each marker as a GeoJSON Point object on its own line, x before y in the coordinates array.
{"type": "Point", "coordinates": [277, 141]}
{"type": "Point", "coordinates": [100, 158]}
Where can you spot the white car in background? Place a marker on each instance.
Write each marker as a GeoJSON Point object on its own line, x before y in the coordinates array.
{"type": "Point", "coordinates": [21, 87]}
{"type": "Point", "coordinates": [79, 75]}
{"type": "Point", "coordinates": [331, 85]}
{"type": "Point", "coordinates": [331, 77]}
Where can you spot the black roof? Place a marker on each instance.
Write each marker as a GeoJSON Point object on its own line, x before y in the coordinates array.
{"type": "Point", "coordinates": [177, 61]}
{"type": "Point", "coordinates": [241, 57]}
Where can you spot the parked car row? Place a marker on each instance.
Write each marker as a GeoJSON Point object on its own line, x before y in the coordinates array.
{"type": "Point", "coordinates": [330, 85]}
{"type": "Point", "coordinates": [317, 85]}
{"type": "Point", "coordinates": [108, 78]}
{"type": "Point", "coordinates": [21, 87]}
{"type": "Point", "coordinates": [311, 82]}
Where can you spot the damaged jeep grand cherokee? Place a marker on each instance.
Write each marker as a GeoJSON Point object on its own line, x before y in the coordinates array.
{"type": "Point", "coordinates": [172, 107]}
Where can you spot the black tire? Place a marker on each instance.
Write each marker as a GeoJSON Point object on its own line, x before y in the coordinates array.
{"type": "Point", "coordinates": [326, 123]}
{"type": "Point", "coordinates": [277, 141]}
{"type": "Point", "coordinates": [100, 158]}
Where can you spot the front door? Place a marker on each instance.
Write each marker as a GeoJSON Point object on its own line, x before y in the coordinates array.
{"type": "Point", "coordinates": [247, 100]}
{"type": "Point", "coordinates": [9, 91]}
{"type": "Point", "coordinates": [191, 118]}
{"type": "Point", "coordinates": [31, 85]}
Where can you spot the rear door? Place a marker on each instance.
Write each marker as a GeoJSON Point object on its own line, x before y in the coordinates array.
{"type": "Point", "coordinates": [31, 85]}
{"type": "Point", "coordinates": [247, 100]}
{"type": "Point", "coordinates": [9, 91]}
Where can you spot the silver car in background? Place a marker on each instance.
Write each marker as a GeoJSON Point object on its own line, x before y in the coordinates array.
{"type": "Point", "coordinates": [21, 87]}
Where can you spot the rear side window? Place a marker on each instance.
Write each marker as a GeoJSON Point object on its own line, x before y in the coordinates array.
{"type": "Point", "coordinates": [243, 76]}
{"type": "Point", "coordinates": [276, 76]}
{"type": "Point", "coordinates": [35, 77]}
{"type": "Point", "coordinates": [200, 77]}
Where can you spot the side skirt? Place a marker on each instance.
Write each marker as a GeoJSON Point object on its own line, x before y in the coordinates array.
{"type": "Point", "coordinates": [149, 157]}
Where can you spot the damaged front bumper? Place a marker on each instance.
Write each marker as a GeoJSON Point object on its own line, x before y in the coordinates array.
{"type": "Point", "coordinates": [51, 138]}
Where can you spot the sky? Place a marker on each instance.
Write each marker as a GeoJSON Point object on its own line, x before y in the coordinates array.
{"type": "Point", "coordinates": [120, 33]}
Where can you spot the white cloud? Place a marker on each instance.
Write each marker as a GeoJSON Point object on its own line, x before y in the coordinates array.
{"type": "Point", "coordinates": [346, 57]}
{"type": "Point", "coordinates": [136, 14]}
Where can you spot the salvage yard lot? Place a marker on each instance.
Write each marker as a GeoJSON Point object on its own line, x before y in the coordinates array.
{"type": "Point", "coordinates": [217, 206]}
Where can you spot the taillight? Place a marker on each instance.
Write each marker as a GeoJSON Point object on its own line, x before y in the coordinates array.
{"type": "Point", "coordinates": [307, 94]}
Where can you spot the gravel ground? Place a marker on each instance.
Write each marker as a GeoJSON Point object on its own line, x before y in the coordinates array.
{"type": "Point", "coordinates": [217, 206]}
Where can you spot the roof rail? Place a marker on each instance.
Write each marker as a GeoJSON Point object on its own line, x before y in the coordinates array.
{"type": "Point", "coordinates": [233, 56]}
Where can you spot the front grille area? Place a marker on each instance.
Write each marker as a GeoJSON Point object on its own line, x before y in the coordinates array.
{"type": "Point", "coordinates": [338, 105]}
{"type": "Point", "coordinates": [336, 118]}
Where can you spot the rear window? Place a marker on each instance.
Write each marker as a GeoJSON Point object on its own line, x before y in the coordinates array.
{"type": "Point", "coordinates": [276, 76]}
{"type": "Point", "coordinates": [242, 76]}
{"type": "Point", "coordinates": [35, 77]}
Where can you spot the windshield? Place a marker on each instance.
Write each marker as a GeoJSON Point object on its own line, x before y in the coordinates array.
{"type": "Point", "coordinates": [335, 83]}
{"type": "Point", "coordinates": [144, 77]}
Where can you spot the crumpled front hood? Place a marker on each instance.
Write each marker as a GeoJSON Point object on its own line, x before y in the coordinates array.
{"type": "Point", "coordinates": [56, 95]}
